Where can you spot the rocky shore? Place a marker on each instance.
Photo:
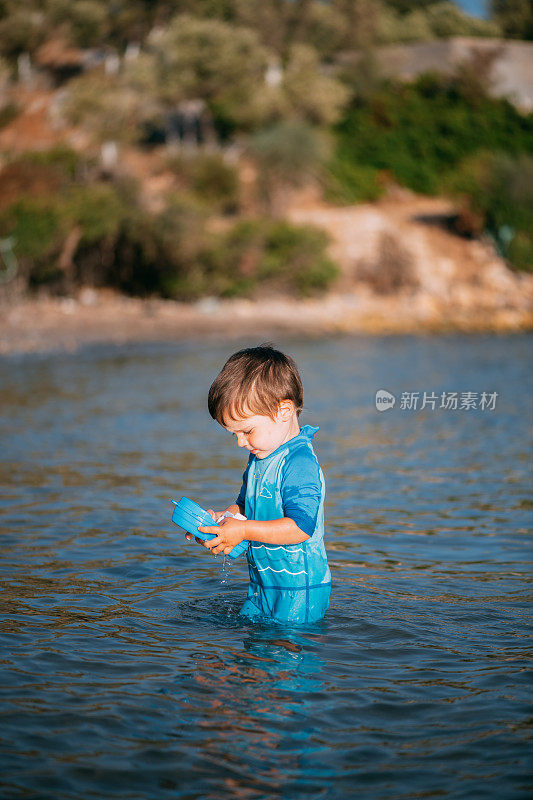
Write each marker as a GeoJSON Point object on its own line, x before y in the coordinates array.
{"type": "Point", "coordinates": [444, 283]}
{"type": "Point", "coordinates": [47, 324]}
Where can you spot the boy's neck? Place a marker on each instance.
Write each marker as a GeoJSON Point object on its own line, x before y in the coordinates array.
{"type": "Point", "coordinates": [294, 430]}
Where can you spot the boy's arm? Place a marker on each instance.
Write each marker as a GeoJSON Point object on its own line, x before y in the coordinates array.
{"type": "Point", "coordinates": [232, 531]}
{"type": "Point", "coordinates": [274, 531]}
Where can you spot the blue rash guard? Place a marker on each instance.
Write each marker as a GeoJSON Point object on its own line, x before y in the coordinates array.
{"type": "Point", "coordinates": [288, 583]}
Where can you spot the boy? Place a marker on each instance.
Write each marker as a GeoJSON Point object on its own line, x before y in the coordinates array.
{"type": "Point", "coordinates": [258, 397]}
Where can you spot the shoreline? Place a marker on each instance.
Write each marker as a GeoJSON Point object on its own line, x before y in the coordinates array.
{"type": "Point", "coordinates": [46, 324]}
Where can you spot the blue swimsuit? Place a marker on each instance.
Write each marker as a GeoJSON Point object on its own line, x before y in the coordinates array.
{"type": "Point", "coordinates": [288, 583]}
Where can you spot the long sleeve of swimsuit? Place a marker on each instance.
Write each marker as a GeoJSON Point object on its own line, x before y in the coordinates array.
{"type": "Point", "coordinates": [301, 489]}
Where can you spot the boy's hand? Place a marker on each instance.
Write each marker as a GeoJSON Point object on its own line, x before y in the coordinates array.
{"type": "Point", "coordinates": [215, 515]}
{"type": "Point", "coordinates": [228, 534]}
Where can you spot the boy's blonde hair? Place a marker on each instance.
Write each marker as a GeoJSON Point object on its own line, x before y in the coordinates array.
{"type": "Point", "coordinates": [254, 381]}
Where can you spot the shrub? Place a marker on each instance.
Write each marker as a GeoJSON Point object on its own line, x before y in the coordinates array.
{"type": "Point", "coordinates": [210, 178]}
{"type": "Point", "coordinates": [254, 257]}
{"type": "Point", "coordinates": [277, 256]}
{"type": "Point", "coordinates": [36, 227]}
{"type": "Point", "coordinates": [8, 113]}
{"type": "Point", "coordinates": [89, 21]}
{"type": "Point", "coordinates": [35, 224]}
{"type": "Point", "coordinates": [62, 160]}
{"type": "Point", "coordinates": [98, 209]}
{"type": "Point", "coordinates": [21, 31]}
{"type": "Point", "coordinates": [347, 182]}
{"type": "Point", "coordinates": [38, 174]}
{"type": "Point", "coordinates": [58, 222]}
{"type": "Point", "coordinates": [69, 231]}
{"type": "Point", "coordinates": [496, 191]}
{"type": "Point", "coordinates": [421, 132]}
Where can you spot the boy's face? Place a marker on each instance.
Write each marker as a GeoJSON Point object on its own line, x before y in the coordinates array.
{"type": "Point", "coordinates": [261, 435]}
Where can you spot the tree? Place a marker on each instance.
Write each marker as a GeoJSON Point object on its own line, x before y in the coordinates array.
{"type": "Point", "coordinates": [406, 6]}
{"type": "Point", "coordinates": [227, 67]}
{"type": "Point", "coordinates": [410, 27]}
{"type": "Point", "coordinates": [212, 60]}
{"type": "Point", "coordinates": [22, 28]}
{"type": "Point", "coordinates": [361, 21]}
{"type": "Point", "coordinates": [515, 17]}
{"type": "Point", "coordinates": [287, 154]}
{"type": "Point", "coordinates": [279, 23]}
{"type": "Point", "coordinates": [313, 96]}
{"type": "Point", "coordinates": [90, 22]}
{"type": "Point", "coordinates": [104, 106]}
{"type": "Point", "coordinates": [446, 19]}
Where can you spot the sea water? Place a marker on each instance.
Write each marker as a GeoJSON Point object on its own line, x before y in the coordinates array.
{"type": "Point", "coordinates": [125, 670]}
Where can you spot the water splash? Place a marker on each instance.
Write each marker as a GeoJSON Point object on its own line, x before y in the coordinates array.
{"type": "Point", "coordinates": [226, 569]}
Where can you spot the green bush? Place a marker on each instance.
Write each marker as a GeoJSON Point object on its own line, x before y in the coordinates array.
{"type": "Point", "coordinates": [48, 210]}
{"type": "Point", "coordinates": [71, 230]}
{"type": "Point", "coordinates": [38, 174]}
{"type": "Point", "coordinates": [20, 31]}
{"type": "Point", "coordinates": [214, 182]}
{"type": "Point", "coordinates": [98, 209]}
{"type": "Point", "coordinates": [35, 224]}
{"type": "Point", "coordinates": [253, 257]}
{"type": "Point", "coordinates": [275, 256]}
{"type": "Point", "coordinates": [144, 261]}
{"type": "Point", "coordinates": [98, 234]}
{"type": "Point", "coordinates": [62, 160]}
{"type": "Point", "coordinates": [89, 21]}
{"type": "Point", "coordinates": [347, 182]}
{"type": "Point", "coordinates": [8, 113]}
{"type": "Point", "coordinates": [421, 132]}
{"type": "Point", "coordinates": [498, 190]}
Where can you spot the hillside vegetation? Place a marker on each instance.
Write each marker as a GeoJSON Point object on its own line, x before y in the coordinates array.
{"type": "Point", "coordinates": [232, 104]}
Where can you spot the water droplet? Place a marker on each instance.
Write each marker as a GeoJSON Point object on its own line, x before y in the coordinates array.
{"type": "Point", "coordinates": [226, 569]}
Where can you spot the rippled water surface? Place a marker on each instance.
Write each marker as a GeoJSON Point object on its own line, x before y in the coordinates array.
{"type": "Point", "coordinates": [125, 670]}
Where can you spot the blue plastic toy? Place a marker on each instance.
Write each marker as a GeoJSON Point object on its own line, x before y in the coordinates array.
{"type": "Point", "coordinates": [190, 516]}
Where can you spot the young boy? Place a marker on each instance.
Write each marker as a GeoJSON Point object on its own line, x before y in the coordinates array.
{"type": "Point", "coordinates": [258, 397]}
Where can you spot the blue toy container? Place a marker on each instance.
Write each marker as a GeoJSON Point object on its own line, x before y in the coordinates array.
{"type": "Point", "coordinates": [189, 515]}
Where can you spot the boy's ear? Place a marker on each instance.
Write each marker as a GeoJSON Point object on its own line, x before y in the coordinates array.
{"type": "Point", "coordinates": [285, 410]}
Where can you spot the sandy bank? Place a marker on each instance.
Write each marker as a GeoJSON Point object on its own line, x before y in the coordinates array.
{"type": "Point", "coordinates": [457, 285]}
{"type": "Point", "coordinates": [40, 325]}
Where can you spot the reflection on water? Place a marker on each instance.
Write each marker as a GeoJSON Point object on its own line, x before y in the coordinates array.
{"type": "Point", "coordinates": [125, 668]}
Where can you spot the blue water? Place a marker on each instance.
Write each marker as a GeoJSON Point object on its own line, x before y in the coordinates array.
{"type": "Point", "coordinates": [125, 670]}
